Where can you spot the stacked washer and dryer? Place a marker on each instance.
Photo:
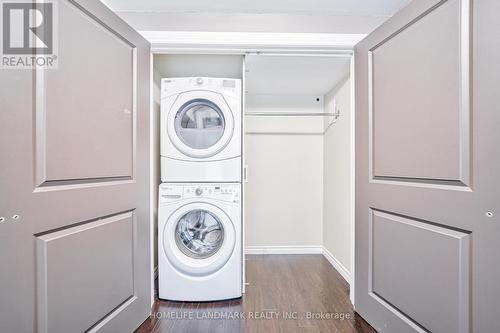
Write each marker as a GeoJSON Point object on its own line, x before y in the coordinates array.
{"type": "Point", "coordinates": [199, 213]}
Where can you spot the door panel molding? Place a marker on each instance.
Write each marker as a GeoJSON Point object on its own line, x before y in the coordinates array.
{"type": "Point", "coordinates": [50, 185]}
{"type": "Point", "coordinates": [78, 257]}
{"type": "Point", "coordinates": [42, 174]}
{"type": "Point", "coordinates": [464, 179]}
{"type": "Point", "coordinates": [427, 268]}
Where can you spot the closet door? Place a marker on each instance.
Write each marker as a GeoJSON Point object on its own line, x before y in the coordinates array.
{"type": "Point", "coordinates": [74, 179]}
{"type": "Point", "coordinates": [427, 162]}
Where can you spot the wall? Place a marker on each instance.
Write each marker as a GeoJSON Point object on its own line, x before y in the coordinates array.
{"type": "Point", "coordinates": [192, 65]}
{"type": "Point", "coordinates": [284, 193]}
{"type": "Point", "coordinates": [337, 212]}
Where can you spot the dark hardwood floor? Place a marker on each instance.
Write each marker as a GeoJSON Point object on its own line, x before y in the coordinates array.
{"type": "Point", "coordinates": [285, 293]}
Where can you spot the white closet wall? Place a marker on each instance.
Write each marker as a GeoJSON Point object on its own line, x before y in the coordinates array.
{"type": "Point", "coordinates": [193, 65]}
{"type": "Point", "coordinates": [285, 155]}
{"type": "Point", "coordinates": [284, 193]}
{"type": "Point", "coordinates": [338, 170]}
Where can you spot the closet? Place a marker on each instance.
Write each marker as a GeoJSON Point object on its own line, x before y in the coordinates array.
{"type": "Point", "coordinates": [299, 156]}
{"type": "Point", "coordinates": [298, 147]}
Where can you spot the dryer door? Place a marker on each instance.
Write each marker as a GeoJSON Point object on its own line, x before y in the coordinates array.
{"type": "Point", "coordinates": [200, 123]}
{"type": "Point", "coordinates": [198, 239]}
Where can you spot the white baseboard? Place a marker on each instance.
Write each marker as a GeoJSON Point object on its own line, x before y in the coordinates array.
{"type": "Point", "coordinates": [300, 249]}
{"type": "Point", "coordinates": [304, 249]}
{"type": "Point", "coordinates": [337, 265]}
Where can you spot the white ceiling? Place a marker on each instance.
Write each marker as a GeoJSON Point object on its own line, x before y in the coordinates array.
{"type": "Point", "coordinates": [294, 75]}
{"type": "Point", "coordinates": [313, 7]}
{"type": "Point", "coordinates": [292, 16]}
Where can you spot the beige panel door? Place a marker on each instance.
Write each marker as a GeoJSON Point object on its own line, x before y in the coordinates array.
{"type": "Point", "coordinates": [74, 181]}
{"type": "Point", "coordinates": [427, 161]}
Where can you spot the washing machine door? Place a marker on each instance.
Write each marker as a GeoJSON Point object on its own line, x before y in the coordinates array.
{"type": "Point", "coordinates": [200, 123]}
{"type": "Point", "coordinates": [198, 239]}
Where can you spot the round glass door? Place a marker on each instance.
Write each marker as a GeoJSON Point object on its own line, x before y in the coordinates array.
{"type": "Point", "coordinates": [199, 123]}
{"type": "Point", "coordinates": [199, 234]}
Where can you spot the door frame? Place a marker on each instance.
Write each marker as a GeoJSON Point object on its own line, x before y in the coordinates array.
{"type": "Point", "coordinates": [242, 43]}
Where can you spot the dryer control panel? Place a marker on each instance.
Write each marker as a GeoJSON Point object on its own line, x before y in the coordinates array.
{"type": "Point", "coordinates": [229, 87]}
{"type": "Point", "coordinates": [222, 192]}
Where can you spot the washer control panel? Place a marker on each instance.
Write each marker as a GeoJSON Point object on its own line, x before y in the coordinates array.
{"type": "Point", "coordinates": [222, 192]}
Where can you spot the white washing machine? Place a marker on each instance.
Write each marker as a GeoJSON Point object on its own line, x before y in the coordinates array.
{"type": "Point", "coordinates": [199, 241]}
{"type": "Point", "coordinates": [200, 130]}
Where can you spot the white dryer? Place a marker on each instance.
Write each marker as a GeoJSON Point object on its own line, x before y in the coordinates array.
{"type": "Point", "coordinates": [199, 241]}
{"type": "Point", "coordinates": [200, 130]}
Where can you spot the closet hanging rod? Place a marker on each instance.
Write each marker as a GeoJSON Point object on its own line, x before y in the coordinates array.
{"type": "Point", "coordinates": [291, 114]}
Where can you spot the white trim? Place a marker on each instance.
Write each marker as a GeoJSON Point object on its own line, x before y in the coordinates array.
{"type": "Point", "coordinates": [293, 249]}
{"type": "Point", "coordinates": [244, 42]}
{"type": "Point", "coordinates": [152, 189]}
{"type": "Point", "coordinates": [337, 265]}
{"type": "Point", "coordinates": [352, 181]}
{"type": "Point", "coordinates": [243, 182]}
